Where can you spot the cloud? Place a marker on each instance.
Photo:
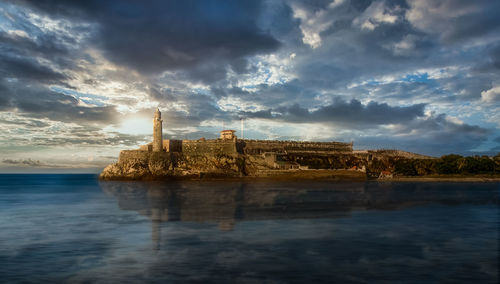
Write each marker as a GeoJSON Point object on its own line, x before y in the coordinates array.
{"type": "Point", "coordinates": [25, 163]}
{"type": "Point", "coordinates": [454, 20]}
{"type": "Point", "coordinates": [38, 54]}
{"type": "Point", "coordinates": [313, 22]}
{"type": "Point", "coordinates": [170, 35]}
{"type": "Point", "coordinates": [40, 102]}
{"type": "Point", "coordinates": [91, 138]}
{"type": "Point", "coordinates": [28, 69]}
{"type": "Point", "coordinates": [492, 95]}
{"type": "Point", "coordinates": [33, 123]}
{"type": "Point", "coordinates": [46, 45]}
{"type": "Point", "coordinates": [351, 114]}
{"type": "Point", "coordinates": [377, 13]}
{"type": "Point", "coordinates": [432, 135]}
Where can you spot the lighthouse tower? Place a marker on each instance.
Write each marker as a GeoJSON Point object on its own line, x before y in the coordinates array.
{"type": "Point", "coordinates": [157, 132]}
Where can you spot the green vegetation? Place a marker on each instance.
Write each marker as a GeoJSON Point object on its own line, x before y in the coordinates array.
{"type": "Point", "coordinates": [448, 164]}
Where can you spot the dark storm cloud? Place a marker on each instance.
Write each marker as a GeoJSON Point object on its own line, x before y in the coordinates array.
{"type": "Point", "coordinates": [352, 113]}
{"type": "Point", "coordinates": [44, 45]}
{"type": "Point", "coordinates": [495, 56]}
{"type": "Point", "coordinates": [40, 102]}
{"type": "Point", "coordinates": [490, 63]}
{"type": "Point", "coordinates": [30, 53]}
{"type": "Point", "coordinates": [29, 60]}
{"type": "Point", "coordinates": [28, 69]}
{"type": "Point", "coordinates": [4, 99]}
{"type": "Point", "coordinates": [170, 34]}
{"type": "Point", "coordinates": [274, 95]}
{"type": "Point", "coordinates": [455, 20]}
{"type": "Point", "coordinates": [433, 135]}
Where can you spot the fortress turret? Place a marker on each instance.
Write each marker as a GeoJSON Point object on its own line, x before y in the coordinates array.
{"type": "Point", "coordinates": [157, 132]}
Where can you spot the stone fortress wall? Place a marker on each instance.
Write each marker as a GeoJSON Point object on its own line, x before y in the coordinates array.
{"type": "Point", "coordinates": [250, 147]}
{"type": "Point", "coordinates": [256, 147]}
{"type": "Point", "coordinates": [133, 155]}
{"type": "Point", "coordinates": [209, 147]}
{"type": "Point", "coordinates": [140, 156]}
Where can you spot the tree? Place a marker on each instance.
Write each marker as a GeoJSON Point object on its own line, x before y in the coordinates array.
{"type": "Point", "coordinates": [486, 164]}
{"type": "Point", "coordinates": [405, 167]}
{"type": "Point", "coordinates": [496, 159]}
{"type": "Point", "coordinates": [425, 166]}
{"type": "Point", "coordinates": [468, 165]}
{"type": "Point", "coordinates": [448, 164]}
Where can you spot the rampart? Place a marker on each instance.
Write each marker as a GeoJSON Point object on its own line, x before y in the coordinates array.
{"type": "Point", "coordinates": [133, 155]}
{"type": "Point", "coordinates": [141, 157]}
{"type": "Point", "coordinates": [256, 147]}
{"type": "Point", "coordinates": [209, 147]}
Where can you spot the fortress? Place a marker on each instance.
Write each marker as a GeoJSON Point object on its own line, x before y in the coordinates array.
{"type": "Point", "coordinates": [230, 144]}
{"type": "Point", "coordinates": [230, 156]}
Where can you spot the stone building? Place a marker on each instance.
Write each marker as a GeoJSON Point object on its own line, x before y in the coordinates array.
{"type": "Point", "coordinates": [227, 135]}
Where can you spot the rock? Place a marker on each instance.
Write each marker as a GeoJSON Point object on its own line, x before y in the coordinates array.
{"type": "Point", "coordinates": [112, 171]}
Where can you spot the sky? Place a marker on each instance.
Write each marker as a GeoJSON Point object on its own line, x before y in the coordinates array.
{"type": "Point", "coordinates": [79, 80]}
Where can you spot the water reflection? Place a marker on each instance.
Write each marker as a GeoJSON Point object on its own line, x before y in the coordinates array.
{"type": "Point", "coordinates": [71, 229]}
{"type": "Point", "coordinates": [228, 203]}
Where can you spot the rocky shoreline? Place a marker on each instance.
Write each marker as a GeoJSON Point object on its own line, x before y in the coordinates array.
{"type": "Point", "coordinates": [212, 168]}
{"type": "Point", "coordinates": [239, 168]}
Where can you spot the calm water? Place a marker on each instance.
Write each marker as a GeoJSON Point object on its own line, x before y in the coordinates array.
{"type": "Point", "coordinates": [73, 228]}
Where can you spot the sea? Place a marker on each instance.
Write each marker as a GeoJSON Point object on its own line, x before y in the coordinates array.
{"type": "Point", "coordinates": [73, 228]}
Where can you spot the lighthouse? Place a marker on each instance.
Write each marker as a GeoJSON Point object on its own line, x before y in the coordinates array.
{"type": "Point", "coordinates": [157, 132]}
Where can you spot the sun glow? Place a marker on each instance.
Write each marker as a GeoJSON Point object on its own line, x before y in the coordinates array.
{"type": "Point", "coordinates": [136, 126]}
